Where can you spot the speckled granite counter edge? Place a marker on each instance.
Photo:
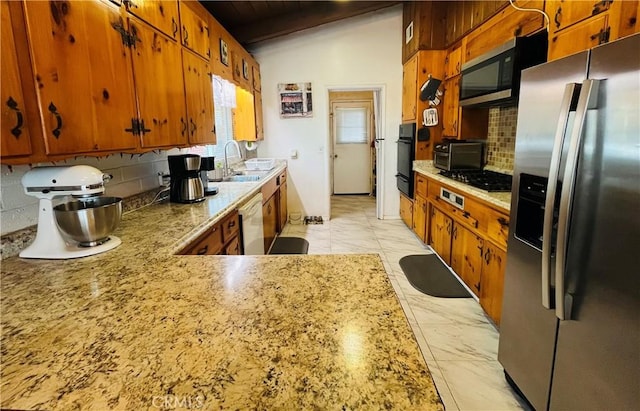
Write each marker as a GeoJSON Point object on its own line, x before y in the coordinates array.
{"type": "Point", "coordinates": [12, 243]}
{"type": "Point", "coordinates": [500, 200]}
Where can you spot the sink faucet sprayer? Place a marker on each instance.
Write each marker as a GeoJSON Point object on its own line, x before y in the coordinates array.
{"type": "Point", "coordinates": [227, 170]}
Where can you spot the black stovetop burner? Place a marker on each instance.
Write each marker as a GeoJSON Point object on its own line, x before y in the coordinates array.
{"type": "Point", "coordinates": [483, 179]}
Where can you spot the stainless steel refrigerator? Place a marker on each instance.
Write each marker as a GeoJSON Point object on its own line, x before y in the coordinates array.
{"type": "Point", "coordinates": [570, 329]}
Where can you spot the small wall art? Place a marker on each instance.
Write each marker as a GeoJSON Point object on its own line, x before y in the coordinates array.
{"type": "Point", "coordinates": [245, 69]}
{"type": "Point", "coordinates": [224, 52]}
{"type": "Point", "coordinates": [295, 100]}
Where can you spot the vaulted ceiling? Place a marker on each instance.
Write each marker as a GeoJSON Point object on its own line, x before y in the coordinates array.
{"type": "Point", "coordinates": [254, 21]}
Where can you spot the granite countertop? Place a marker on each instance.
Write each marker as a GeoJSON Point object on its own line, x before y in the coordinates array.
{"type": "Point", "coordinates": [140, 328]}
{"type": "Point", "coordinates": [500, 200]}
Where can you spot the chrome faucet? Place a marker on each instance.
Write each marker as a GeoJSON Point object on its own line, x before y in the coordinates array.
{"type": "Point", "coordinates": [227, 169]}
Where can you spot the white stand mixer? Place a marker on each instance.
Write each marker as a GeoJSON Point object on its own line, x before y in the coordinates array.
{"type": "Point", "coordinates": [46, 183]}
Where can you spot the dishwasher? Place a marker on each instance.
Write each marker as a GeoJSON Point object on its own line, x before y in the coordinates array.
{"type": "Point", "coordinates": [251, 225]}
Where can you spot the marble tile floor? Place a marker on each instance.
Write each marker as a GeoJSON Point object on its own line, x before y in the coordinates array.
{"type": "Point", "coordinates": [459, 343]}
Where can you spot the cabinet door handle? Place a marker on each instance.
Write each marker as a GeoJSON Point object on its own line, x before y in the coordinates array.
{"type": "Point", "coordinates": [203, 250]}
{"type": "Point", "coordinates": [184, 126]}
{"type": "Point", "coordinates": [487, 256]}
{"type": "Point", "coordinates": [174, 26]}
{"type": "Point", "coordinates": [186, 35]}
{"type": "Point", "coordinates": [503, 222]}
{"type": "Point", "coordinates": [54, 110]}
{"type": "Point", "coordinates": [557, 17]}
{"type": "Point", "coordinates": [193, 127]}
{"type": "Point", "coordinates": [231, 224]}
{"type": "Point", "coordinates": [13, 105]}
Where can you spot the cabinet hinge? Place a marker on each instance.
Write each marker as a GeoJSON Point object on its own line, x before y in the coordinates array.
{"type": "Point", "coordinates": [128, 39]}
{"type": "Point", "coordinates": [135, 127]}
{"type": "Point", "coordinates": [602, 36]}
{"type": "Point", "coordinates": [601, 6]}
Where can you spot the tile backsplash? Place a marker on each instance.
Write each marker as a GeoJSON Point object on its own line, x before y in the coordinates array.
{"type": "Point", "coordinates": [132, 174]}
{"type": "Point", "coordinates": [501, 138]}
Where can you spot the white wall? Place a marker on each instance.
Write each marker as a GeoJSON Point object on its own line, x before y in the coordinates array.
{"type": "Point", "coordinates": [359, 52]}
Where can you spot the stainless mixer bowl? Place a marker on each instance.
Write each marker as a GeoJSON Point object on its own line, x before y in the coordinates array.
{"type": "Point", "coordinates": [89, 221]}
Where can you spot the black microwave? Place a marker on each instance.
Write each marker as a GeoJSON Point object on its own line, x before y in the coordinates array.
{"type": "Point", "coordinates": [493, 79]}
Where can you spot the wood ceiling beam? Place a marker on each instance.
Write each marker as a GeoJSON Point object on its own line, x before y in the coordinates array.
{"type": "Point", "coordinates": [311, 16]}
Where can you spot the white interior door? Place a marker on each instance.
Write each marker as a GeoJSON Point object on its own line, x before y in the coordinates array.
{"type": "Point", "coordinates": [352, 147]}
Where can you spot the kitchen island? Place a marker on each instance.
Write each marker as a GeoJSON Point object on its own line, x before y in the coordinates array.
{"type": "Point", "coordinates": [141, 328]}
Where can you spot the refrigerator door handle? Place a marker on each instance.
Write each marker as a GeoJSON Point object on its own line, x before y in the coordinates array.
{"type": "Point", "coordinates": [569, 103]}
{"type": "Point", "coordinates": [587, 101]}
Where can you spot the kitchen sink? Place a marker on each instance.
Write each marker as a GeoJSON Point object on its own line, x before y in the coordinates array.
{"type": "Point", "coordinates": [246, 176]}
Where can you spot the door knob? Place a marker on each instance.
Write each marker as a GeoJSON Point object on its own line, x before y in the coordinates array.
{"type": "Point", "coordinates": [335, 156]}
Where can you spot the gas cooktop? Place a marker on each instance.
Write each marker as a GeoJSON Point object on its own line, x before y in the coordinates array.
{"type": "Point", "coordinates": [483, 179]}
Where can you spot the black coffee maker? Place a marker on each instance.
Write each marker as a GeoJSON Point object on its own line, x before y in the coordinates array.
{"type": "Point", "coordinates": [207, 164]}
{"type": "Point", "coordinates": [186, 185]}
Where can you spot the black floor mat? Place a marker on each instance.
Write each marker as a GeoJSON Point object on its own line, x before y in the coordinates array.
{"type": "Point", "coordinates": [289, 245]}
{"type": "Point", "coordinates": [426, 273]}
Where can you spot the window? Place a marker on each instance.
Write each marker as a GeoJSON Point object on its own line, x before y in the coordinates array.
{"type": "Point", "coordinates": [351, 125]}
{"type": "Point", "coordinates": [224, 101]}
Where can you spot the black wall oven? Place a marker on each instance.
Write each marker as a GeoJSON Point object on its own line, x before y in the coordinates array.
{"type": "Point", "coordinates": [406, 155]}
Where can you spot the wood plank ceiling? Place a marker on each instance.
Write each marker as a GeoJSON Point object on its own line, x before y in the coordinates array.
{"type": "Point", "coordinates": [254, 21]}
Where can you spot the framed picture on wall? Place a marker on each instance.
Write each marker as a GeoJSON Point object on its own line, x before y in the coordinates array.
{"type": "Point", "coordinates": [295, 100]}
{"type": "Point", "coordinates": [245, 69]}
{"type": "Point", "coordinates": [224, 52]}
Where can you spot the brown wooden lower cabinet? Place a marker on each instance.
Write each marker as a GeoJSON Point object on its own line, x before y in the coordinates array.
{"type": "Point", "coordinates": [406, 210]}
{"type": "Point", "coordinates": [221, 238]}
{"type": "Point", "coordinates": [420, 218]}
{"type": "Point", "coordinates": [269, 221]}
{"type": "Point", "coordinates": [492, 281]}
{"type": "Point", "coordinates": [472, 241]}
{"type": "Point", "coordinates": [282, 202]}
{"type": "Point", "coordinates": [466, 256]}
{"type": "Point", "coordinates": [233, 248]}
{"type": "Point", "coordinates": [441, 230]}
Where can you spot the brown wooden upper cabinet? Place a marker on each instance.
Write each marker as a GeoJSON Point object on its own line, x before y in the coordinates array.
{"type": "Point", "coordinates": [241, 68]}
{"type": "Point", "coordinates": [257, 80]}
{"type": "Point", "coordinates": [502, 27]}
{"type": "Point", "coordinates": [453, 62]}
{"type": "Point", "coordinates": [195, 31]}
{"type": "Point", "coordinates": [199, 94]}
{"type": "Point", "coordinates": [83, 75]}
{"type": "Point", "coordinates": [257, 102]}
{"type": "Point", "coordinates": [409, 89]}
{"type": "Point", "coordinates": [157, 67]}
{"type": "Point", "coordinates": [219, 41]}
{"type": "Point", "coordinates": [580, 25]}
{"type": "Point", "coordinates": [161, 14]}
{"type": "Point", "coordinates": [451, 107]}
{"type": "Point", "coordinates": [13, 120]}
{"type": "Point", "coordinates": [566, 13]}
